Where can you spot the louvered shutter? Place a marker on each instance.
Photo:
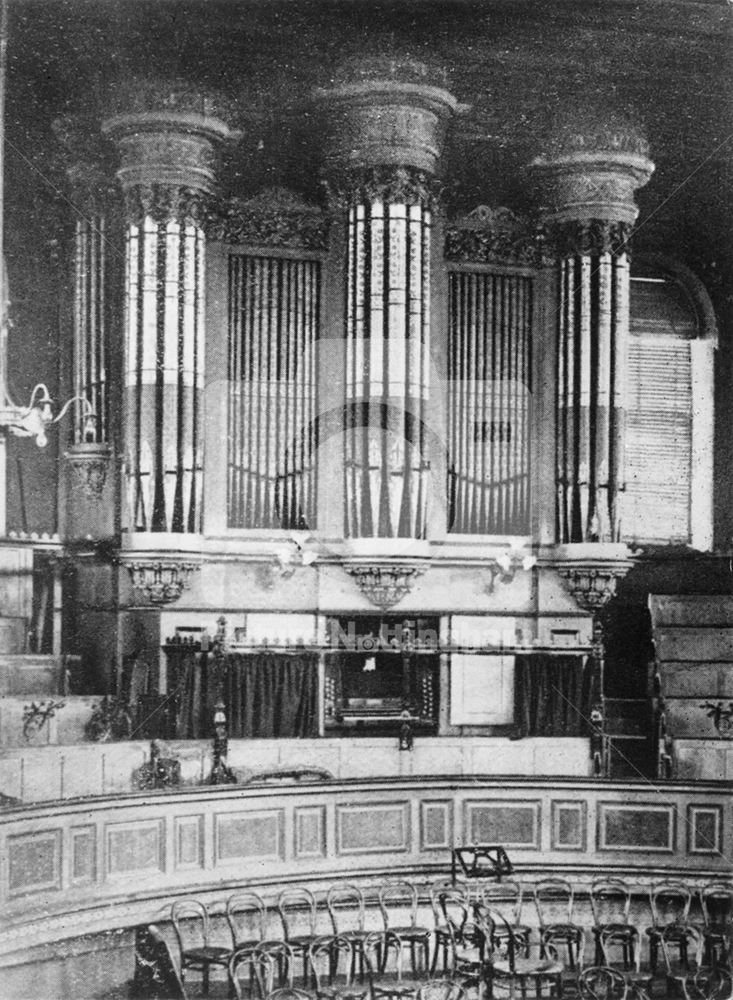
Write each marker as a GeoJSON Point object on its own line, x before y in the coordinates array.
{"type": "Point", "coordinates": [659, 417]}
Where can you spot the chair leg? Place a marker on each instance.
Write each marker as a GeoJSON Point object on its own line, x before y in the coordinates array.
{"type": "Point", "coordinates": [205, 977]}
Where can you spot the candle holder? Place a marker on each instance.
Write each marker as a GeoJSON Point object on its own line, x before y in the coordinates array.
{"type": "Point", "coordinates": [221, 774]}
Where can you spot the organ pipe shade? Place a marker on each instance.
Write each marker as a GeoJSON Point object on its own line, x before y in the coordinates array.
{"type": "Point", "coordinates": [90, 335]}
{"type": "Point", "coordinates": [592, 370]}
{"type": "Point", "coordinates": [387, 369]}
{"type": "Point", "coordinates": [489, 397]}
{"type": "Point", "coordinates": [273, 326]}
{"type": "Point", "coordinates": [164, 374]}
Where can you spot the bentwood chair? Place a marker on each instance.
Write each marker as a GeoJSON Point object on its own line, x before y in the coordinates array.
{"type": "Point", "coordinates": [509, 969]}
{"type": "Point", "coordinates": [386, 955]}
{"type": "Point", "coordinates": [554, 899]}
{"type": "Point", "coordinates": [451, 915]}
{"type": "Point", "coordinates": [716, 903]}
{"type": "Point", "coordinates": [398, 902]}
{"type": "Point", "coordinates": [247, 918]}
{"type": "Point", "coordinates": [670, 905]}
{"type": "Point", "coordinates": [252, 974]}
{"type": "Point", "coordinates": [467, 954]}
{"type": "Point", "coordinates": [636, 979]}
{"type": "Point", "coordinates": [709, 984]}
{"type": "Point", "coordinates": [599, 982]}
{"type": "Point", "coordinates": [192, 925]}
{"type": "Point", "coordinates": [345, 904]}
{"type": "Point", "coordinates": [299, 916]}
{"type": "Point", "coordinates": [682, 946]}
{"type": "Point", "coordinates": [610, 901]}
{"type": "Point", "coordinates": [331, 963]}
{"type": "Point", "coordinates": [506, 898]}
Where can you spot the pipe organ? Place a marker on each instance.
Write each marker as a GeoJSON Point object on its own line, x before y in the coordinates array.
{"type": "Point", "coordinates": [588, 203]}
{"type": "Point", "coordinates": [90, 327]}
{"type": "Point", "coordinates": [274, 305]}
{"type": "Point", "coordinates": [166, 173]}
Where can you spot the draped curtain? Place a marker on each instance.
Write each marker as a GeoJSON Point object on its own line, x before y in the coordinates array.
{"type": "Point", "coordinates": [272, 695]}
{"type": "Point", "coordinates": [552, 695]}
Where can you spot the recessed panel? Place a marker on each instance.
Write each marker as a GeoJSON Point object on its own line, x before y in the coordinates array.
{"type": "Point", "coordinates": [134, 847]}
{"type": "Point", "coordinates": [83, 854]}
{"type": "Point", "coordinates": [511, 824]}
{"type": "Point", "coordinates": [436, 825]}
{"type": "Point", "coordinates": [189, 841]}
{"type": "Point", "coordinates": [635, 827]}
{"type": "Point", "coordinates": [704, 829]}
{"type": "Point", "coordinates": [568, 826]}
{"type": "Point", "coordinates": [310, 832]}
{"type": "Point", "coordinates": [250, 835]}
{"type": "Point", "coordinates": [34, 862]}
{"type": "Point", "coordinates": [373, 828]}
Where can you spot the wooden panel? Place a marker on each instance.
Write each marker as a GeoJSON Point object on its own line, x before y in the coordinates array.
{"type": "Point", "coordinates": [34, 862]}
{"type": "Point", "coordinates": [482, 690]}
{"type": "Point", "coordinates": [436, 825]}
{"type": "Point", "coordinates": [695, 680]}
{"type": "Point", "coordinates": [83, 855]}
{"type": "Point", "coordinates": [687, 717]}
{"type": "Point", "coordinates": [704, 829]}
{"type": "Point", "coordinates": [250, 835]}
{"type": "Point", "coordinates": [701, 645]}
{"type": "Point", "coordinates": [364, 829]}
{"type": "Point", "coordinates": [569, 821]}
{"type": "Point", "coordinates": [189, 841]}
{"type": "Point", "coordinates": [511, 824]}
{"type": "Point", "coordinates": [310, 832]}
{"type": "Point", "coordinates": [639, 827]}
{"type": "Point", "coordinates": [697, 609]}
{"type": "Point", "coordinates": [134, 847]}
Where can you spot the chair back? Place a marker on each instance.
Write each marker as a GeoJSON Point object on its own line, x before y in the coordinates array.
{"type": "Point", "coordinates": [295, 905]}
{"type": "Point", "coordinates": [505, 897]}
{"type": "Point", "coordinates": [345, 904]}
{"type": "Point", "coordinates": [716, 903]}
{"type": "Point", "coordinates": [446, 887]}
{"type": "Point", "coordinates": [289, 993]}
{"type": "Point", "coordinates": [191, 922]}
{"type": "Point", "coordinates": [251, 973]}
{"type": "Point", "coordinates": [280, 970]}
{"type": "Point", "coordinates": [398, 903]}
{"type": "Point", "coordinates": [553, 899]}
{"type": "Point", "coordinates": [599, 982]}
{"type": "Point", "coordinates": [384, 952]}
{"type": "Point", "coordinates": [247, 917]}
{"type": "Point", "coordinates": [331, 961]}
{"type": "Point", "coordinates": [670, 903]}
{"type": "Point", "coordinates": [713, 984]}
{"type": "Point", "coordinates": [685, 943]}
{"type": "Point", "coordinates": [608, 938]}
{"type": "Point", "coordinates": [488, 923]}
{"type": "Point", "coordinates": [610, 901]}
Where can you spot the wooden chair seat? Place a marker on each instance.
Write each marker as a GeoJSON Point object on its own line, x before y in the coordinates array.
{"type": "Point", "coordinates": [211, 954]}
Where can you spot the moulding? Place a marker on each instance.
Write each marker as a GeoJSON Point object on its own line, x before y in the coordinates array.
{"type": "Point", "coordinates": [159, 580]}
{"type": "Point", "coordinates": [384, 584]}
{"type": "Point", "coordinates": [592, 583]}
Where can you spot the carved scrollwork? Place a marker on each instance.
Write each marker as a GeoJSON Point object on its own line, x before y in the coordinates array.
{"type": "Point", "coordinates": [275, 217]}
{"type": "Point", "coordinates": [385, 584]}
{"type": "Point", "coordinates": [492, 236]}
{"type": "Point", "coordinates": [163, 202]}
{"type": "Point", "coordinates": [593, 585]}
{"type": "Point", "coordinates": [589, 236]}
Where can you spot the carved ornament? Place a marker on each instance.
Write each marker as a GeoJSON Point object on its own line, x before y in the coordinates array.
{"type": "Point", "coordinates": [593, 584]}
{"type": "Point", "coordinates": [492, 236]}
{"type": "Point", "coordinates": [160, 581]}
{"type": "Point", "coordinates": [166, 148]}
{"type": "Point", "coordinates": [385, 114]}
{"type": "Point", "coordinates": [587, 185]}
{"type": "Point", "coordinates": [589, 237]}
{"type": "Point", "coordinates": [90, 461]}
{"type": "Point", "coordinates": [275, 217]}
{"type": "Point", "coordinates": [394, 185]}
{"type": "Point", "coordinates": [164, 202]}
{"type": "Point", "coordinates": [385, 584]}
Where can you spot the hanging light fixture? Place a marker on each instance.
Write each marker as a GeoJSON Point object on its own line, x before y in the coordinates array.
{"type": "Point", "coordinates": [33, 419]}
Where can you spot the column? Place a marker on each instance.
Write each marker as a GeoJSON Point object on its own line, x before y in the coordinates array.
{"type": "Point", "coordinates": [166, 173]}
{"type": "Point", "coordinates": [588, 206]}
{"type": "Point", "coordinates": [388, 126]}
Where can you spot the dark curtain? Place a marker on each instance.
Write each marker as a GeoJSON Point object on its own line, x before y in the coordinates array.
{"type": "Point", "coordinates": [195, 682]}
{"type": "Point", "coordinates": [272, 694]}
{"type": "Point", "coordinates": [552, 695]}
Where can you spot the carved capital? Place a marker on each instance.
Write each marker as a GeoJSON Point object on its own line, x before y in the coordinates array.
{"type": "Point", "coordinates": [588, 185]}
{"type": "Point", "coordinates": [385, 584]}
{"type": "Point", "coordinates": [166, 149]}
{"type": "Point", "coordinates": [589, 237]}
{"type": "Point", "coordinates": [275, 217]}
{"type": "Point", "coordinates": [492, 236]}
{"type": "Point", "coordinates": [385, 112]}
{"type": "Point", "coordinates": [395, 185]}
{"type": "Point", "coordinates": [90, 462]}
{"type": "Point", "coordinates": [163, 202]}
{"type": "Point", "coordinates": [159, 580]}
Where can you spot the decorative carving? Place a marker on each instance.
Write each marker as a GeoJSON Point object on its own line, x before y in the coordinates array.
{"type": "Point", "coordinates": [169, 149]}
{"type": "Point", "coordinates": [589, 236]}
{"type": "Point", "coordinates": [591, 185]}
{"type": "Point", "coordinates": [161, 581]}
{"type": "Point", "coordinates": [593, 584]}
{"type": "Point", "coordinates": [403, 185]}
{"type": "Point", "coordinates": [37, 714]}
{"type": "Point", "coordinates": [163, 202]}
{"type": "Point", "coordinates": [492, 236]}
{"type": "Point", "coordinates": [275, 217]}
{"type": "Point", "coordinates": [385, 115]}
{"type": "Point", "coordinates": [158, 772]}
{"type": "Point", "coordinates": [90, 461]}
{"type": "Point", "coordinates": [385, 584]}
